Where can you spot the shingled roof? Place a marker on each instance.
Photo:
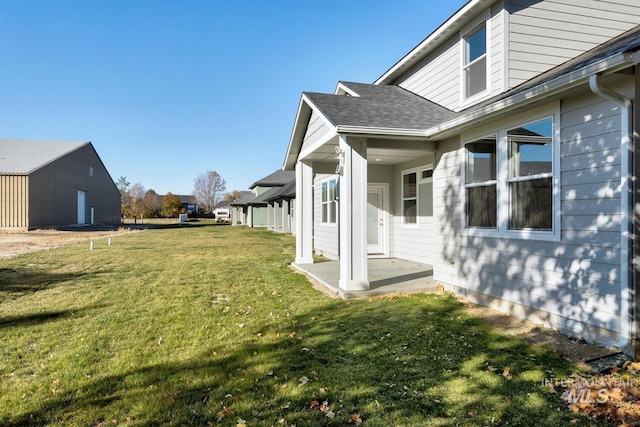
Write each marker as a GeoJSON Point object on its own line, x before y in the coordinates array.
{"type": "Point", "coordinates": [379, 106]}
{"type": "Point", "coordinates": [286, 192]}
{"type": "Point", "coordinates": [24, 156]}
{"type": "Point", "coordinates": [276, 179]}
{"type": "Point", "coordinates": [245, 196]}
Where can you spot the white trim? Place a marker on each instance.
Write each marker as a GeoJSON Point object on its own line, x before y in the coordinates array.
{"type": "Point", "coordinates": [341, 89]}
{"type": "Point", "coordinates": [540, 91]}
{"type": "Point", "coordinates": [419, 180]}
{"type": "Point", "coordinates": [500, 129]}
{"type": "Point", "coordinates": [336, 204]}
{"type": "Point", "coordinates": [435, 38]}
{"type": "Point", "coordinates": [485, 20]}
{"type": "Point", "coordinates": [385, 217]}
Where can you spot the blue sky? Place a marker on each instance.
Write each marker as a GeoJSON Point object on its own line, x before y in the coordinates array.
{"type": "Point", "coordinates": [167, 90]}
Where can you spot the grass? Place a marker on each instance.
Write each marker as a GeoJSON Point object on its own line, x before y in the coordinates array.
{"type": "Point", "coordinates": [206, 325]}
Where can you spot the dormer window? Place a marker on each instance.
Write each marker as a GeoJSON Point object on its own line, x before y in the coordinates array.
{"type": "Point", "coordinates": [474, 67]}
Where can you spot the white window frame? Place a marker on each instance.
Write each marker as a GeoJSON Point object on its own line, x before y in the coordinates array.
{"type": "Point", "coordinates": [486, 21]}
{"type": "Point", "coordinates": [332, 204]}
{"type": "Point", "coordinates": [502, 173]}
{"type": "Point", "coordinates": [419, 180]}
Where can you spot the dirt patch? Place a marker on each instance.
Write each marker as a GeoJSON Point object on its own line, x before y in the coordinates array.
{"type": "Point", "coordinates": [14, 244]}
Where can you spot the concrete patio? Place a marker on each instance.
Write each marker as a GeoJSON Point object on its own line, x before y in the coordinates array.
{"type": "Point", "coordinates": [386, 276]}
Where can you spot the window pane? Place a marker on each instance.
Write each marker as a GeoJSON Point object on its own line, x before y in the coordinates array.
{"type": "Point", "coordinates": [530, 149]}
{"type": "Point", "coordinates": [481, 206]}
{"type": "Point", "coordinates": [481, 160]}
{"type": "Point", "coordinates": [325, 213]}
{"type": "Point", "coordinates": [325, 194]}
{"type": "Point", "coordinates": [531, 204]}
{"type": "Point", "coordinates": [409, 211]}
{"type": "Point", "coordinates": [476, 44]}
{"type": "Point", "coordinates": [409, 185]}
{"type": "Point", "coordinates": [332, 189]}
{"type": "Point", "coordinates": [476, 78]}
{"type": "Point", "coordinates": [426, 199]}
{"type": "Point", "coordinates": [332, 212]}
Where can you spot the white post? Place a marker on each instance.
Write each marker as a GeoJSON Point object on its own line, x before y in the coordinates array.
{"type": "Point", "coordinates": [304, 211]}
{"type": "Point", "coordinates": [352, 206]}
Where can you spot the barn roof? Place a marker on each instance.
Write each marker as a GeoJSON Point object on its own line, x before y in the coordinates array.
{"type": "Point", "coordinates": [24, 156]}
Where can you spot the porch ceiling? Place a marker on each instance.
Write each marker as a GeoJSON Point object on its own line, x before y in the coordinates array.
{"type": "Point", "coordinates": [381, 152]}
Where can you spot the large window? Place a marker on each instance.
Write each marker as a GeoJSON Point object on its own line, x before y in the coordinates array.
{"type": "Point", "coordinates": [481, 183]}
{"type": "Point", "coordinates": [474, 67]}
{"type": "Point", "coordinates": [509, 180]}
{"type": "Point", "coordinates": [329, 201]}
{"type": "Point", "coordinates": [417, 194]}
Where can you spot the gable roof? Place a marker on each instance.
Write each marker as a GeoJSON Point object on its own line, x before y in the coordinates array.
{"type": "Point", "coordinates": [286, 192]}
{"type": "Point", "coordinates": [379, 107]}
{"type": "Point", "coordinates": [277, 178]}
{"type": "Point", "coordinates": [261, 199]}
{"type": "Point", "coordinates": [451, 26]}
{"type": "Point", "coordinates": [245, 196]}
{"type": "Point", "coordinates": [25, 156]}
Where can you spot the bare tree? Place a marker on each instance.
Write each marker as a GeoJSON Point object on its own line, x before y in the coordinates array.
{"type": "Point", "coordinates": [208, 188]}
{"type": "Point", "coordinates": [136, 194]}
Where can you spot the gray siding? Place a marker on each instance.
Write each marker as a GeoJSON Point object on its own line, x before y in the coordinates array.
{"type": "Point", "coordinates": [543, 34]}
{"type": "Point", "coordinates": [572, 285]}
{"type": "Point", "coordinates": [316, 129]}
{"type": "Point", "coordinates": [437, 76]}
{"type": "Point", "coordinates": [412, 242]}
{"type": "Point", "coordinates": [53, 191]}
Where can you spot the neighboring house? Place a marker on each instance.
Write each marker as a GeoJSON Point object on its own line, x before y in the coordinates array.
{"type": "Point", "coordinates": [280, 208]}
{"type": "Point", "coordinates": [254, 210]}
{"type": "Point", "coordinates": [190, 203]}
{"type": "Point", "coordinates": [54, 183]}
{"type": "Point", "coordinates": [500, 150]}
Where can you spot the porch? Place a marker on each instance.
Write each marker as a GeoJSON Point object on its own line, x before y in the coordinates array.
{"type": "Point", "coordinates": [386, 276]}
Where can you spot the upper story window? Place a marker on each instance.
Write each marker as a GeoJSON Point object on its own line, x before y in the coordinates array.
{"type": "Point", "coordinates": [474, 66]}
{"type": "Point", "coordinates": [330, 201]}
{"type": "Point", "coordinates": [511, 181]}
{"type": "Point", "coordinates": [90, 172]}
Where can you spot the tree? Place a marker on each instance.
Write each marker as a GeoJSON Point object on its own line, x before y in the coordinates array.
{"type": "Point", "coordinates": [234, 195]}
{"type": "Point", "coordinates": [125, 199]}
{"type": "Point", "coordinates": [151, 204]}
{"type": "Point", "coordinates": [171, 206]}
{"type": "Point", "coordinates": [208, 188]}
{"type": "Point", "coordinates": [136, 194]}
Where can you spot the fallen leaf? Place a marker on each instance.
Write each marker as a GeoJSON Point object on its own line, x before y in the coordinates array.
{"type": "Point", "coordinates": [303, 380]}
{"type": "Point", "coordinates": [355, 419]}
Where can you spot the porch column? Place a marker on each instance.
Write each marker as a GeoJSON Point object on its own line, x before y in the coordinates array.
{"type": "Point", "coordinates": [352, 206]}
{"type": "Point", "coordinates": [304, 211]}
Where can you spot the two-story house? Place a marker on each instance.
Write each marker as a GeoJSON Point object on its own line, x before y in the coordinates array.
{"type": "Point", "coordinates": [501, 151]}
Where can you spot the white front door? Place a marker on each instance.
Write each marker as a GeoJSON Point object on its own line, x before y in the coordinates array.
{"type": "Point", "coordinates": [82, 207]}
{"type": "Point", "coordinates": [377, 220]}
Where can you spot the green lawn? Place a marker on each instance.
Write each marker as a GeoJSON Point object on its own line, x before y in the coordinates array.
{"type": "Point", "coordinates": [207, 325]}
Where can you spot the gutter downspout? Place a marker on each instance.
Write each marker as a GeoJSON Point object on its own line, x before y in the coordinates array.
{"type": "Point", "coordinates": [627, 287]}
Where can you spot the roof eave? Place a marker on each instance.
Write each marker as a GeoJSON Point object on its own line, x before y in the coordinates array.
{"type": "Point", "coordinates": [378, 131]}
{"type": "Point", "coordinates": [540, 91]}
{"type": "Point", "coordinates": [451, 25]}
